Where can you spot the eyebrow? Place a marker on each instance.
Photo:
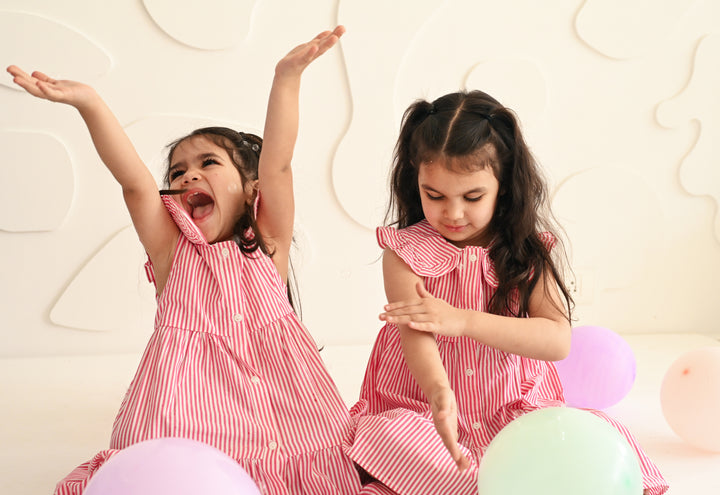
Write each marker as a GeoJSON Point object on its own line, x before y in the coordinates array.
{"type": "Point", "coordinates": [471, 191]}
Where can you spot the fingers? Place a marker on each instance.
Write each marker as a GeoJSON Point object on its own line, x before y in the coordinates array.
{"type": "Point", "coordinates": [25, 81]}
{"type": "Point", "coordinates": [446, 426]}
{"type": "Point", "coordinates": [327, 40]}
{"type": "Point", "coordinates": [16, 71]}
{"type": "Point", "coordinates": [463, 463]}
{"type": "Point", "coordinates": [405, 313]}
{"type": "Point", "coordinates": [421, 290]}
{"type": "Point", "coordinates": [42, 77]}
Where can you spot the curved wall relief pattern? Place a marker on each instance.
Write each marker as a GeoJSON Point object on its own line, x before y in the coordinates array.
{"type": "Point", "coordinates": [614, 221]}
{"type": "Point", "coordinates": [581, 203]}
{"type": "Point", "coordinates": [39, 175]}
{"type": "Point", "coordinates": [624, 29]}
{"type": "Point", "coordinates": [88, 60]}
{"type": "Point", "coordinates": [360, 165]}
{"type": "Point", "coordinates": [206, 24]}
{"type": "Point", "coordinates": [125, 305]}
{"type": "Point", "coordinates": [700, 168]}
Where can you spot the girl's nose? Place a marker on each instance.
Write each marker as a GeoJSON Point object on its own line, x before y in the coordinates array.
{"type": "Point", "coordinates": [191, 175]}
{"type": "Point", "coordinates": [453, 211]}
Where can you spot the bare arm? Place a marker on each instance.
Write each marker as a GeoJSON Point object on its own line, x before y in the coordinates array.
{"type": "Point", "coordinates": [277, 209]}
{"type": "Point", "coordinates": [155, 228]}
{"type": "Point", "coordinates": [544, 335]}
{"type": "Point", "coordinates": [422, 357]}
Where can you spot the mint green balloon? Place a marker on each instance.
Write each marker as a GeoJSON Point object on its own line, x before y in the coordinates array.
{"type": "Point", "coordinates": [559, 451]}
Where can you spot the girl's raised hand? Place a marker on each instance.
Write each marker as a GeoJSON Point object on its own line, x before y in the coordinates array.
{"type": "Point", "coordinates": [42, 86]}
{"type": "Point", "coordinates": [444, 411]}
{"type": "Point", "coordinates": [427, 314]}
{"type": "Point", "coordinates": [302, 55]}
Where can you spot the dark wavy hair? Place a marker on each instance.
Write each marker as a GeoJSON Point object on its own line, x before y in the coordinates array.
{"type": "Point", "coordinates": [461, 125]}
{"type": "Point", "coordinates": [244, 149]}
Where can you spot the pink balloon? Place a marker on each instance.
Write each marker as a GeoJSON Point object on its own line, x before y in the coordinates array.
{"type": "Point", "coordinates": [177, 466]}
{"type": "Point", "coordinates": [690, 397]}
{"type": "Point", "coordinates": [600, 369]}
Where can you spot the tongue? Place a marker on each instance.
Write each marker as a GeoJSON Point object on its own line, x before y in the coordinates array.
{"type": "Point", "coordinates": [201, 204]}
{"type": "Point", "coordinates": [201, 211]}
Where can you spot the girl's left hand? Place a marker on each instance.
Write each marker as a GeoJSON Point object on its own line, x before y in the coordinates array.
{"type": "Point", "coordinates": [302, 55]}
{"type": "Point", "coordinates": [427, 314]}
{"type": "Point", "coordinates": [444, 412]}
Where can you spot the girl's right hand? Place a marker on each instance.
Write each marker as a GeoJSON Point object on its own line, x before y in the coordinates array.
{"type": "Point", "coordinates": [42, 86]}
{"type": "Point", "coordinates": [302, 55]}
{"type": "Point", "coordinates": [444, 412]}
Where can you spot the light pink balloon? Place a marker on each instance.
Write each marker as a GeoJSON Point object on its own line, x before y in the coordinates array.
{"type": "Point", "coordinates": [690, 398]}
{"type": "Point", "coordinates": [177, 466]}
{"type": "Point", "coordinates": [600, 369]}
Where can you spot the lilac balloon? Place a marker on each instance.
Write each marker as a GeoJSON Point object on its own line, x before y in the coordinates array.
{"type": "Point", "coordinates": [600, 369]}
{"type": "Point", "coordinates": [171, 465]}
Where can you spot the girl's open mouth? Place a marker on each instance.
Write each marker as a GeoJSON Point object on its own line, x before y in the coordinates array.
{"type": "Point", "coordinates": [201, 204]}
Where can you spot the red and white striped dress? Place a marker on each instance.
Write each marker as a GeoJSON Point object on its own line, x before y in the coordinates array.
{"type": "Point", "coordinates": [394, 439]}
{"type": "Point", "coordinates": [230, 364]}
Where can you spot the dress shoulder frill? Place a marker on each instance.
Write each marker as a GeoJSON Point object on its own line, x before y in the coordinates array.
{"type": "Point", "coordinates": [239, 371]}
{"type": "Point", "coordinates": [424, 250]}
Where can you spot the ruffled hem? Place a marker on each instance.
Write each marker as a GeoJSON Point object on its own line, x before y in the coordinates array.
{"type": "Point", "coordinates": [402, 451]}
{"type": "Point", "coordinates": [323, 472]}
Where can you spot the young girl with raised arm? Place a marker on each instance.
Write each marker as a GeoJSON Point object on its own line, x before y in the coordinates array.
{"type": "Point", "coordinates": [229, 362]}
{"type": "Point", "coordinates": [477, 305]}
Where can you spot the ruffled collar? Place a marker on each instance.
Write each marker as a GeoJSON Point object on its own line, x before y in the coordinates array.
{"type": "Point", "coordinates": [429, 254]}
{"type": "Point", "coordinates": [191, 231]}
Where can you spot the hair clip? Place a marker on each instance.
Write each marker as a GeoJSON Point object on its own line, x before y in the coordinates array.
{"type": "Point", "coordinates": [253, 146]}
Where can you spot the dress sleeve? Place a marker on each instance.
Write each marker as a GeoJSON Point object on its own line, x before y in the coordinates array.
{"type": "Point", "coordinates": [424, 250]}
{"type": "Point", "coordinates": [150, 272]}
{"type": "Point", "coordinates": [184, 222]}
{"type": "Point", "coordinates": [548, 240]}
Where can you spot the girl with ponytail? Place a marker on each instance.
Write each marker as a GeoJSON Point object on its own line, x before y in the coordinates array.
{"type": "Point", "coordinates": [478, 309]}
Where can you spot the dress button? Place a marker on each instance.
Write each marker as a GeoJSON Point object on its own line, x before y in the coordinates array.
{"type": "Point", "coordinates": [473, 258]}
{"type": "Point", "coordinates": [255, 379]}
{"type": "Point", "coordinates": [273, 445]}
{"type": "Point", "coordinates": [237, 317]}
{"type": "Point", "coordinates": [476, 425]}
{"type": "Point", "coordinates": [225, 252]}
{"type": "Point", "coordinates": [469, 372]}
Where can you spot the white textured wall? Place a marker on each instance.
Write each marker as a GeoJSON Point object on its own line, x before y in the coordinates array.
{"type": "Point", "coordinates": [619, 100]}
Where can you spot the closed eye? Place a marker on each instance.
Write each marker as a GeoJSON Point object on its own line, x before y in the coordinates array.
{"type": "Point", "coordinates": [175, 174]}
{"type": "Point", "coordinates": [432, 197]}
{"type": "Point", "coordinates": [209, 161]}
{"type": "Point", "coordinates": [473, 199]}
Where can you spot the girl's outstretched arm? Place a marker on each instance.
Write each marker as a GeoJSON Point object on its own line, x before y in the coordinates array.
{"type": "Point", "coordinates": [276, 213]}
{"type": "Point", "coordinates": [544, 335]}
{"type": "Point", "coordinates": [155, 228]}
{"type": "Point", "coordinates": [423, 359]}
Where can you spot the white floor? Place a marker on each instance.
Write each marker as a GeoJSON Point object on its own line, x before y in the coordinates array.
{"type": "Point", "coordinates": [57, 412]}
